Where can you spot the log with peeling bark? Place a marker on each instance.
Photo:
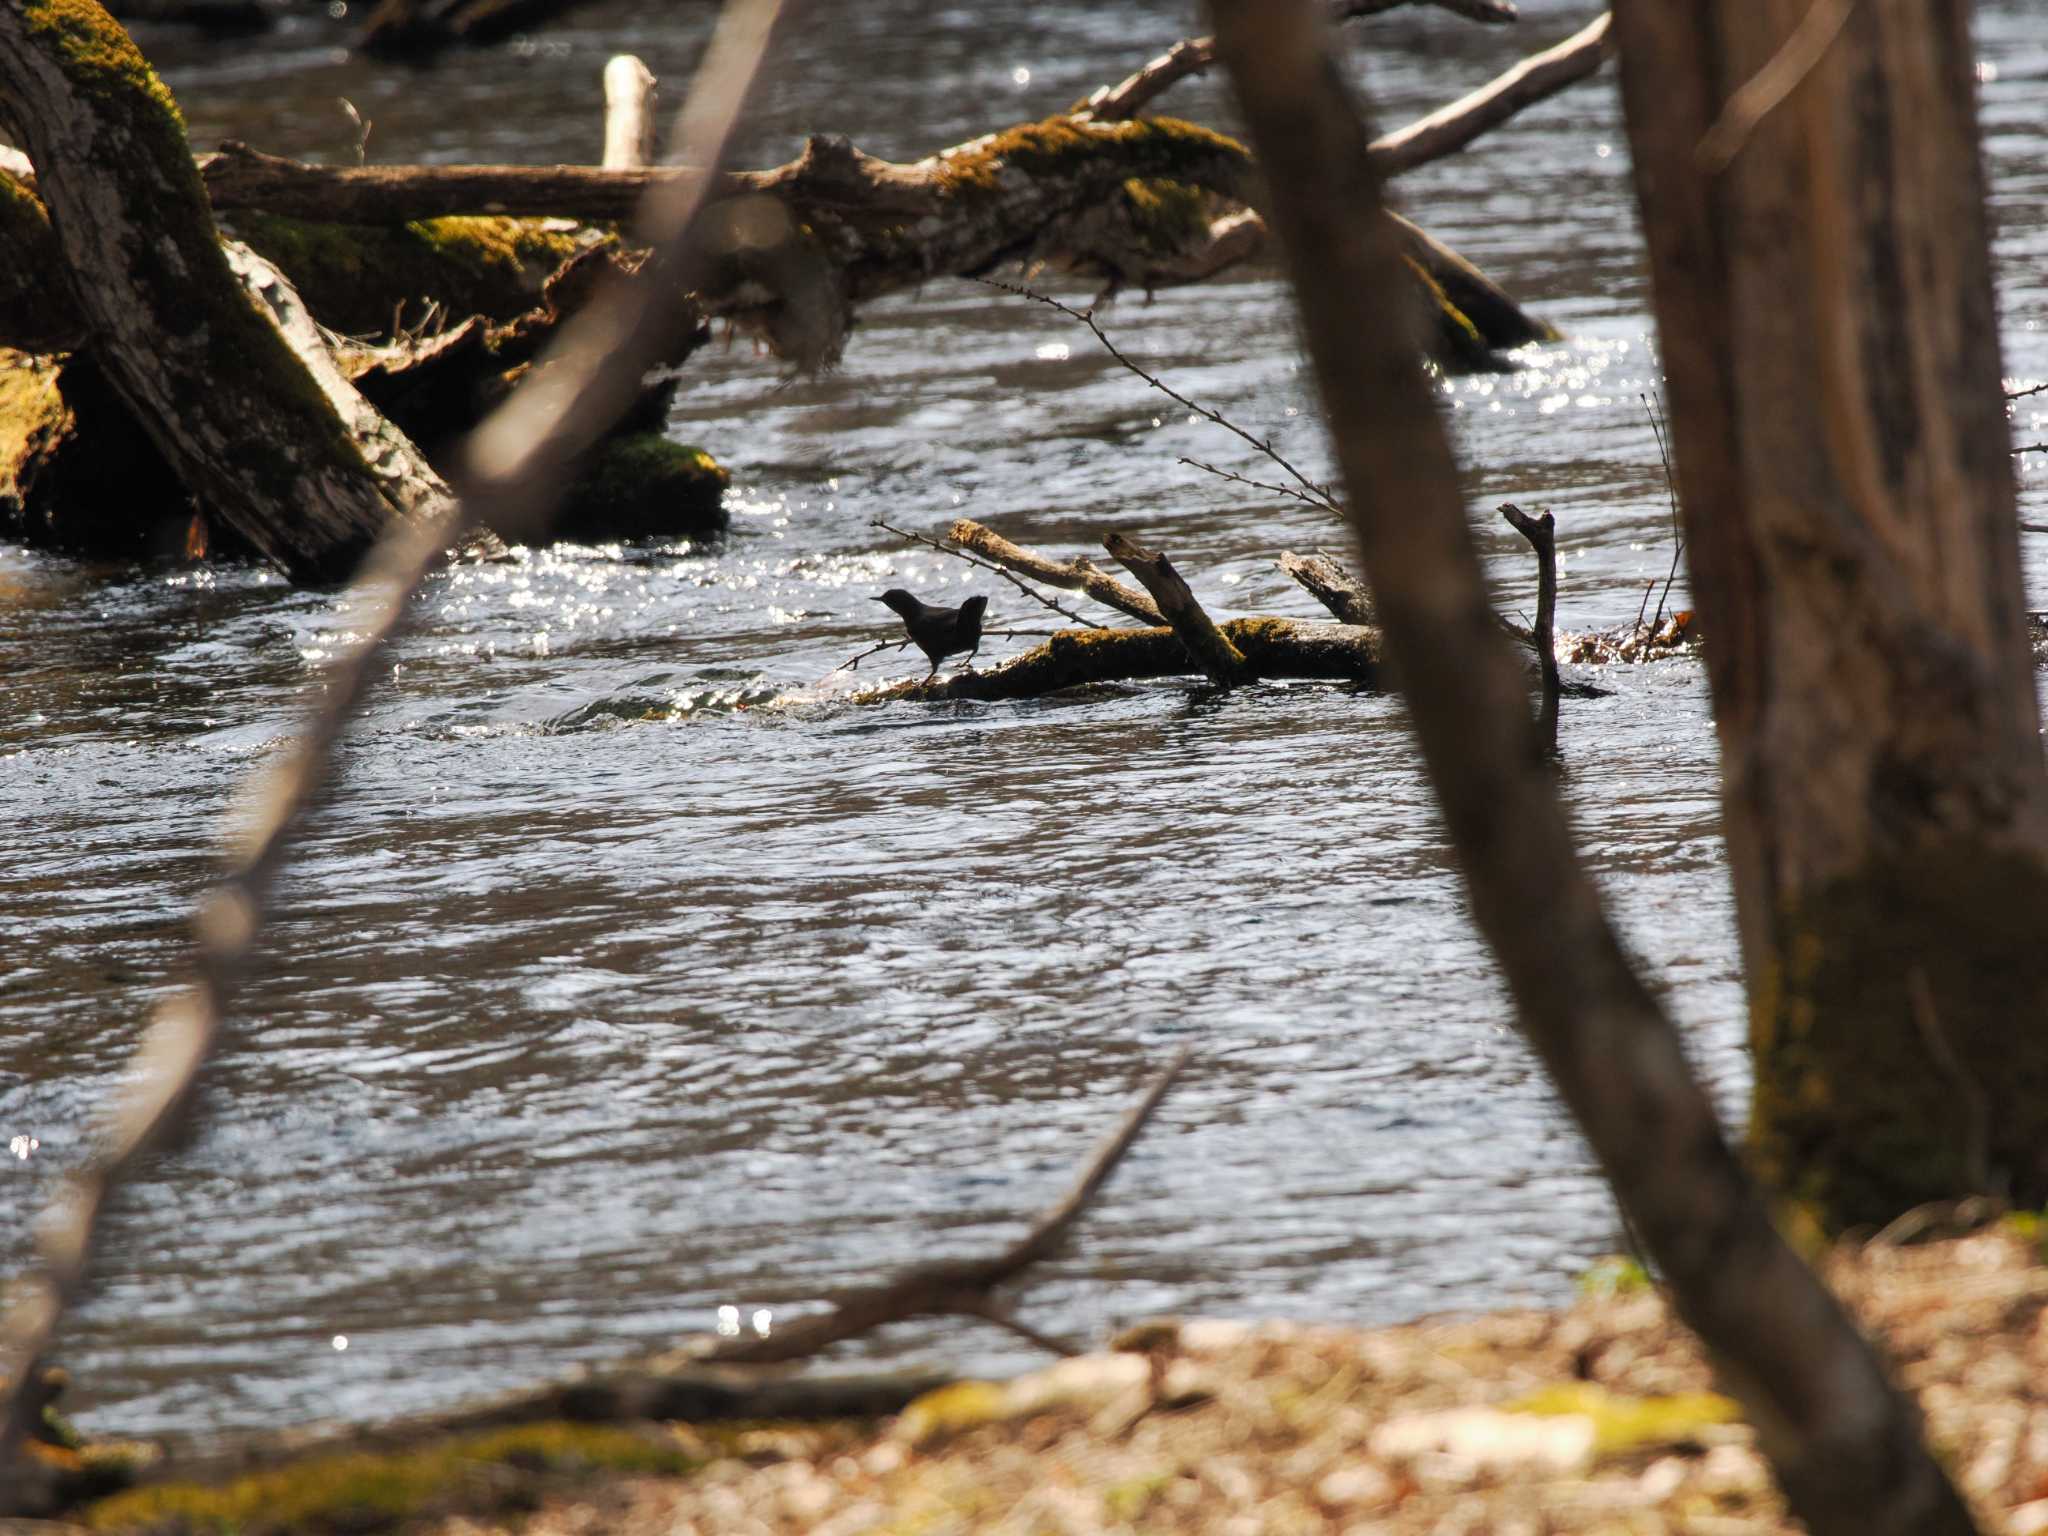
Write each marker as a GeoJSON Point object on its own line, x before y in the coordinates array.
{"type": "Point", "coordinates": [208, 376]}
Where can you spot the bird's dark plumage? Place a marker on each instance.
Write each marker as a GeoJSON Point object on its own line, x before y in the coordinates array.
{"type": "Point", "coordinates": [939, 632]}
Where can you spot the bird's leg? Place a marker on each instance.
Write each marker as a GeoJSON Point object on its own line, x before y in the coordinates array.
{"type": "Point", "coordinates": [934, 671]}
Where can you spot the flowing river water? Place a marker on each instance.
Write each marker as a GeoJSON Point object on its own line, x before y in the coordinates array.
{"type": "Point", "coordinates": [601, 996]}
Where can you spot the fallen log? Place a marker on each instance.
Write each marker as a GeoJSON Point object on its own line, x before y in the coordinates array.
{"type": "Point", "coordinates": [1074, 658]}
{"type": "Point", "coordinates": [209, 378]}
{"type": "Point", "coordinates": [1127, 200]}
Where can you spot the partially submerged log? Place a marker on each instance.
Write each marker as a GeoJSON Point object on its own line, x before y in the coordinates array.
{"type": "Point", "coordinates": [1073, 658]}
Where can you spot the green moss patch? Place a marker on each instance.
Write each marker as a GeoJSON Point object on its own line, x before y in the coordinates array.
{"type": "Point", "coordinates": [1145, 148]}
{"type": "Point", "coordinates": [99, 57]}
{"type": "Point", "coordinates": [366, 1491]}
{"type": "Point", "coordinates": [354, 277]}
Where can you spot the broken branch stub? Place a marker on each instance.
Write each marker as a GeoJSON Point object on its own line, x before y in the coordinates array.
{"type": "Point", "coordinates": [1222, 662]}
{"type": "Point", "coordinates": [1331, 585]}
{"type": "Point", "coordinates": [1541, 532]}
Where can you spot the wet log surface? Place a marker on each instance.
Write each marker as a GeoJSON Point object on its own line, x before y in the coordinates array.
{"type": "Point", "coordinates": [1073, 658]}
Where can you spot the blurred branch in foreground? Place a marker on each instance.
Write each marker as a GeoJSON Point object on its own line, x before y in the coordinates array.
{"type": "Point", "coordinates": [517, 463]}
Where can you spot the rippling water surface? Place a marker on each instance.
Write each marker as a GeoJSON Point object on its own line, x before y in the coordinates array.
{"type": "Point", "coordinates": [602, 995]}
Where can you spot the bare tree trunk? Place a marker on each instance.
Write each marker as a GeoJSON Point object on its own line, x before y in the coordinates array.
{"type": "Point", "coordinates": [1845, 1443]}
{"type": "Point", "coordinates": [1823, 287]}
{"type": "Point", "coordinates": [209, 378]}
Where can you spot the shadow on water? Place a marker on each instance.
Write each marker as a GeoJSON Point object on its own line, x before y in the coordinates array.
{"type": "Point", "coordinates": [612, 986]}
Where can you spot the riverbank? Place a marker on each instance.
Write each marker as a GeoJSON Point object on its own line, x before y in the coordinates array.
{"type": "Point", "coordinates": [1598, 1417]}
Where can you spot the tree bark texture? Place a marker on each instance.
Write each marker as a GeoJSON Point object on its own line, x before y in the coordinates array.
{"type": "Point", "coordinates": [209, 377]}
{"type": "Point", "coordinates": [1832, 360]}
{"type": "Point", "coordinates": [1845, 1443]}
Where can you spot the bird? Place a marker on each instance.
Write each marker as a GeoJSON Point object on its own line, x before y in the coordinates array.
{"type": "Point", "coordinates": [939, 631]}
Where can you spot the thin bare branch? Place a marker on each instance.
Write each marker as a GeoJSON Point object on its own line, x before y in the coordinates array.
{"type": "Point", "coordinates": [1536, 78]}
{"type": "Point", "coordinates": [2032, 389]}
{"type": "Point", "coordinates": [517, 463]}
{"type": "Point", "coordinates": [1087, 318]}
{"type": "Point", "coordinates": [852, 663]}
{"type": "Point", "coordinates": [1260, 485]}
{"type": "Point", "coordinates": [960, 554]}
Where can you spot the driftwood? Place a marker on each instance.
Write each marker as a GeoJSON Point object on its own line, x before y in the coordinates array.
{"type": "Point", "coordinates": [1069, 575]}
{"type": "Point", "coordinates": [1207, 646]}
{"type": "Point", "coordinates": [1074, 658]}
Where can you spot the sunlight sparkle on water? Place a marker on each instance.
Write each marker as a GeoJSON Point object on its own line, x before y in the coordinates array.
{"type": "Point", "coordinates": [1052, 352]}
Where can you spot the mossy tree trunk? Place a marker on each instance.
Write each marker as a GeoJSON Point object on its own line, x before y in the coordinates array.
{"type": "Point", "coordinates": [1831, 351]}
{"type": "Point", "coordinates": [209, 378]}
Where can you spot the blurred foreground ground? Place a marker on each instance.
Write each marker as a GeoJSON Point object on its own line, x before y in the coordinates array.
{"type": "Point", "coordinates": [1598, 1418]}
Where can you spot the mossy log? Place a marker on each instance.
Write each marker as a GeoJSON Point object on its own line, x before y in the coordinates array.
{"type": "Point", "coordinates": [210, 379]}
{"type": "Point", "coordinates": [1142, 201]}
{"type": "Point", "coordinates": [368, 279]}
{"type": "Point", "coordinates": [1074, 658]}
